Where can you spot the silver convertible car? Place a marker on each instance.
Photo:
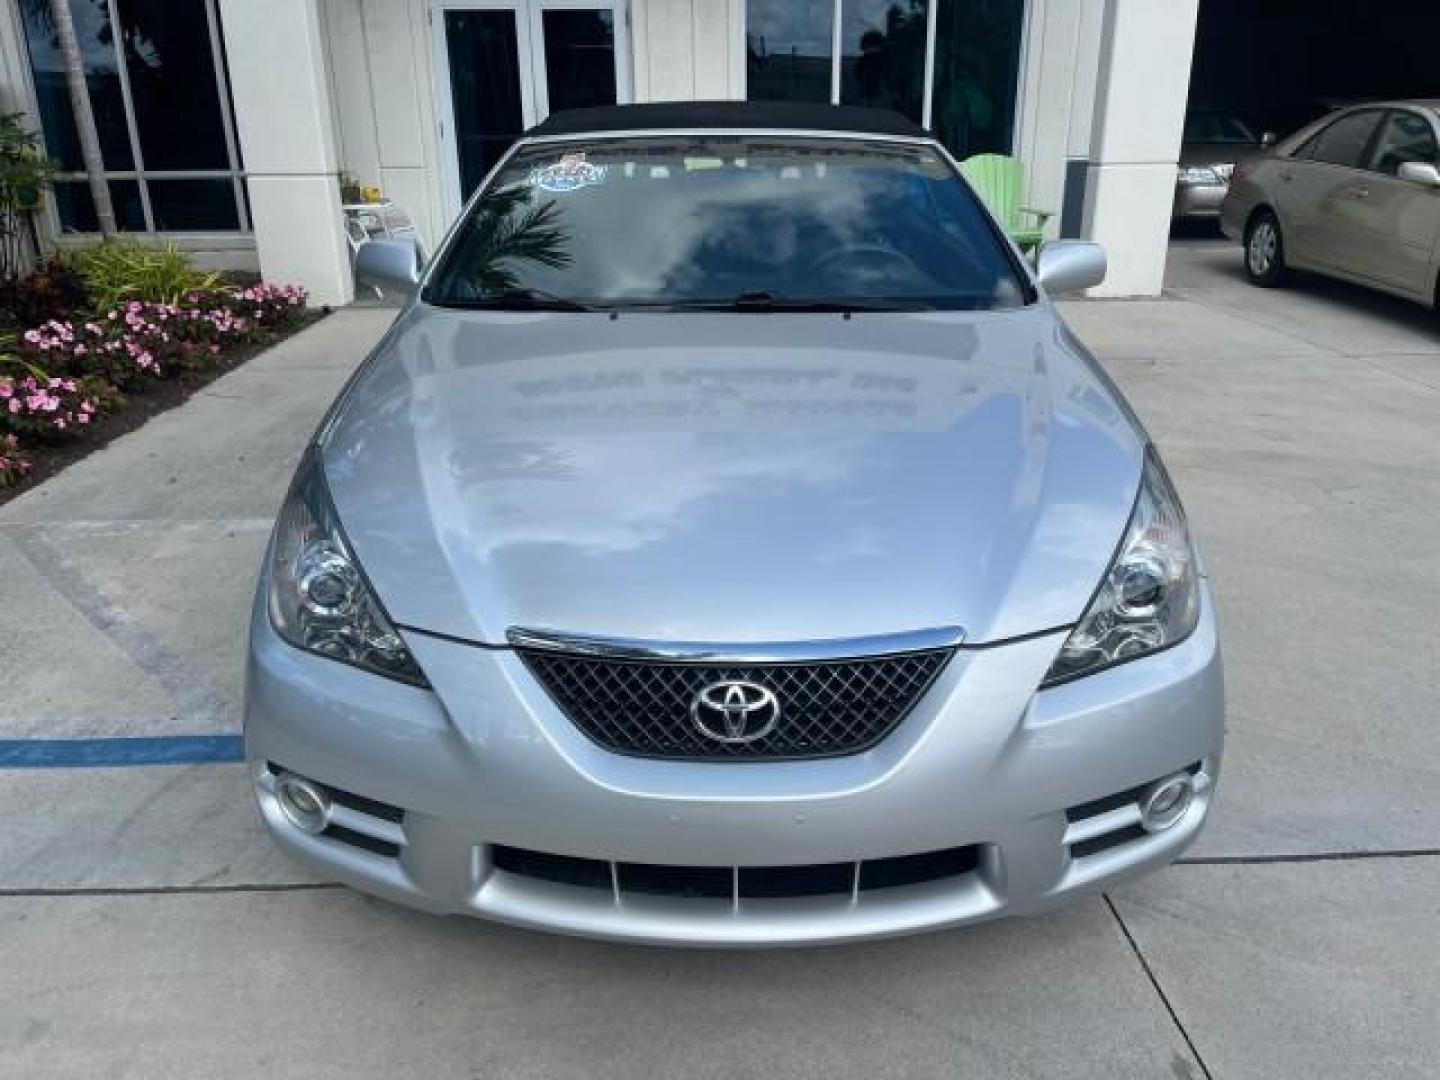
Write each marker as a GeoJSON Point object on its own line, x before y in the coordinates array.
{"type": "Point", "coordinates": [729, 544]}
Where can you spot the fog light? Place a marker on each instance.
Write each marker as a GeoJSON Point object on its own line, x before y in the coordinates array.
{"type": "Point", "coordinates": [305, 804]}
{"type": "Point", "coordinates": [1165, 802]}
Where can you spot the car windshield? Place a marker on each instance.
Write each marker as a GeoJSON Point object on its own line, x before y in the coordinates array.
{"type": "Point", "coordinates": [727, 222]}
{"type": "Point", "coordinates": [1217, 128]}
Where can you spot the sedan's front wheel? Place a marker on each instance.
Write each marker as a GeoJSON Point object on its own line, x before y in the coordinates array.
{"type": "Point", "coordinates": [1265, 251]}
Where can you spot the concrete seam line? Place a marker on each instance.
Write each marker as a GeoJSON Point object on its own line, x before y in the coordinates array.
{"type": "Point", "coordinates": [1318, 856]}
{"type": "Point", "coordinates": [192, 692]}
{"type": "Point", "coordinates": [1159, 990]}
{"type": "Point", "coordinates": [165, 890]}
{"type": "Point", "coordinates": [129, 525]}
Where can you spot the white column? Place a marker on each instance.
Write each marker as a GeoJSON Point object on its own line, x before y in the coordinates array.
{"type": "Point", "coordinates": [286, 128]}
{"type": "Point", "coordinates": [1142, 85]}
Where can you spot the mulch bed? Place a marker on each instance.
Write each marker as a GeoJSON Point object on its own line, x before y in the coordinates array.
{"type": "Point", "coordinates": [47, 459]}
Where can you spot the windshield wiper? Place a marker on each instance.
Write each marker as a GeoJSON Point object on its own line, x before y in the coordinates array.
{"type": "Point", "coordinates": [764, 300]}
{"type": "Point", "coordinates": [516, 300]}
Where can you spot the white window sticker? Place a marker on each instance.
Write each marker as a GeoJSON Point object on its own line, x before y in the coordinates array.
{"type": "Point", "coordinates": [570, 173]}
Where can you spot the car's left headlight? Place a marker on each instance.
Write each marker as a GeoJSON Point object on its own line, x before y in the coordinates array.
{"type": "Point", "coordinates": [1149, 598]}
{"type": "Point", "coordinates": [319, 598]}
{"type": "Point", "coordinates": [1200, 174]}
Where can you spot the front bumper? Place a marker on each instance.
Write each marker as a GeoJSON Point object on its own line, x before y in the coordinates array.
{"type": "Point", "coordinates": [486, 764]}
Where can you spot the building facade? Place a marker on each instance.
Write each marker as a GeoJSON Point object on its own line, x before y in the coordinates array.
{"type": "Point", "coordinates": [224, 124]}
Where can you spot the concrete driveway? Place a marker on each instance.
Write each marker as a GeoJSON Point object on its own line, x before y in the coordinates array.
{"type": "Point", "coordinates": [148, 929]}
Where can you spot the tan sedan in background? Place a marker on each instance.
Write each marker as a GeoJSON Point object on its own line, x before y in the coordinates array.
{"type": "Point", "coordinates": [1355, 195]}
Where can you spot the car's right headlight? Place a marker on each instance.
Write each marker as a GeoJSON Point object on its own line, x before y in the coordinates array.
{"type": "Point", "coordinates": [319, 599]}
{"type": "Point", "coordinates": [1149, 598]}
{"type": "Point", "coordinates": [1199, 174]}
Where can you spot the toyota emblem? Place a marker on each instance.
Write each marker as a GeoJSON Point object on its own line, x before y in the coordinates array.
{"type": "Point", "coordinates": [734, 711]}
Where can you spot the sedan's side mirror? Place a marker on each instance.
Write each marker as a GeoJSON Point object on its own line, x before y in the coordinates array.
{"type": "Point", "coordinates": [1070, 265]}
{"type": "Point", "coordinates": [392, 266]}
{"type": "Point", "coordinates": [1420, 172]}
{"type": "Point", "coordinates": [1268, 139]}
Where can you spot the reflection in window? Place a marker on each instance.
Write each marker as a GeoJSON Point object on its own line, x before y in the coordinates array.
{"type": "Point", "coordinates": [77, 208]}
{"type": "Point", "coordinates": [1406, 137]}
{"type": "Point", "coordinates": [977, 65]}
{"type": "Point", "coordinates": [169, 66]}
{"type": "Point", "coordinates": [788, 49]}
{"type": "Point", "coordinates": [720, 221]}
{"type": "Point", "coordinates": [172, 82]}
{"type": "Point", "coordinates": [97, 45]}
{"type": "Point", "coordinates": [970, 103]}
{"type": "Point", "coordinates": [882, 62]}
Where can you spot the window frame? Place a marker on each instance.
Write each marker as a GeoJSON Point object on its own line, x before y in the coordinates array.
{"type": "Point", "coordinates": [1302, 152]}
{"type": "Point", "coordinates": [138, 173]}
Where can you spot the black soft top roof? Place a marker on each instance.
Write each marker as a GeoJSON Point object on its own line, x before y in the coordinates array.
{"type": "Point", "coordinates": [681, 115]}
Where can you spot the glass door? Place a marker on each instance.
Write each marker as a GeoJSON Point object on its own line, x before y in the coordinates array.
{"type": "Point", "coordinates": [505, 65]}
{"type": "Point", "coordinates": [486, 95]}
{"type": "Point", "coordinates": [581, 65]}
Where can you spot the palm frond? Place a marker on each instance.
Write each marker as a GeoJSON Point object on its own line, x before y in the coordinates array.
{"type": "Point", "coordinates": [506, 229]}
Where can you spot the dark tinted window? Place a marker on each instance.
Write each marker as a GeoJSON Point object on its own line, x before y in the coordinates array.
{"type": "Point", "coordinates": [709, 220]}
{"type": "Point", "coordinates": [485, 82]}
{"type": "Point", "coordinates": [172, 83]}
{"type": "Point", "coordinates": [977, 61]}
{"type": "Point", "coordinates": [1405, 136]}
{"type": "Point", "coordinates": [882, 57]}
{"type": "Point", "coordinates": [193, 205]}
{"type": "Point", "coordinates": [579, 58]}
{"type": "Point", "coordinates": [1342, 142]}
{"type": "Point", "coordinates": [77, 208]}
{"type": "Point", "coordinates": [788, 44]}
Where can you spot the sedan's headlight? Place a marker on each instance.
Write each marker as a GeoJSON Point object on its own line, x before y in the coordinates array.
{"type": "Point", "coordinates": [1200, 174]}
{"type": "Point", "coordinates": [1149, 598]}
{"type": "Point", "coordinates": [319, 598]}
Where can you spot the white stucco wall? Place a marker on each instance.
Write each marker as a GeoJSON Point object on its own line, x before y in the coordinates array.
{"type": "Point", "coordinates": [688, 50]}
{"type": "Point", "coordinates": [284, 122]}
{"type": "Point", "coordinates": [382, 79]}
{"type": "Point", "coordinates": [1142, 86]}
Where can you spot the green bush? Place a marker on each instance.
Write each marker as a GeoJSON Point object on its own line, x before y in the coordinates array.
{"type": "Point", "coordinates": [119, 270]}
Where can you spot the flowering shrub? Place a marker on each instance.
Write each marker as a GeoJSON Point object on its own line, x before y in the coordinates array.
{"type": "Point", "coordinates": [13, 464]}
{"type": "Point", "coordinates": [136, 341]}
{"type": "Point", "coordinates": [46, 407]}
{"type": "Point", "coordinates": [61, 374]}
{"type": "Point", "coordinates": [270, 306]}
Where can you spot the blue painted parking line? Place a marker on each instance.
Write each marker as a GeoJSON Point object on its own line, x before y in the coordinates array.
{"type": "Point", "coordinates": [120, 752]}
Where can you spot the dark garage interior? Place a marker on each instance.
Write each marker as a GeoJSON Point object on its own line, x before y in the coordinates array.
{"type": "Point", "coordinates": [1279, 64]}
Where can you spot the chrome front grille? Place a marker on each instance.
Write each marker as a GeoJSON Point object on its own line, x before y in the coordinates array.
{"type": "Point", "coordinates": [644, 707]}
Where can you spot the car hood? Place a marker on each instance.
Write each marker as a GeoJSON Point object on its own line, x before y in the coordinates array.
{"type": "Point", "coordinates": [732, 478]}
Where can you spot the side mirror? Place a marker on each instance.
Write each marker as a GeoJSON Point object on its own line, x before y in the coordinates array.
{"type": "Point", "coordinates": [391, 266]}
{"type": "Point", "coordinates": [1268, 139]}
{"type": "Point", "coordinates": [1070, 265]}
{"type": "Point", "coordinates": [1420, 172]}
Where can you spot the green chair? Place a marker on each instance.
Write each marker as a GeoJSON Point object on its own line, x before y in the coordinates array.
{"type": "Point", "coordinates": [999, 180]}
